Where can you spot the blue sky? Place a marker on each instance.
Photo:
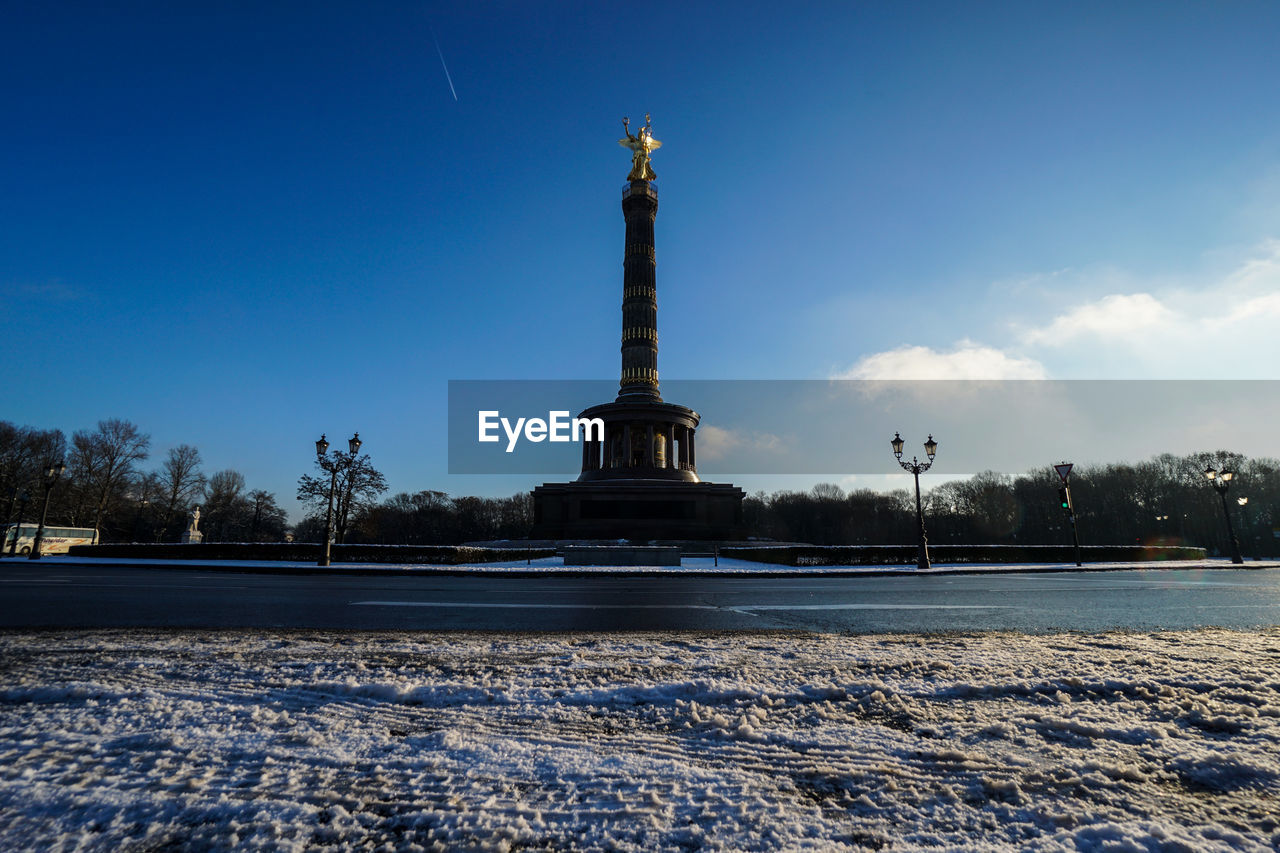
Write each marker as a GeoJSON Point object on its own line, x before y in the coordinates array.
{"type": "Point", "coordinates": [240, 224]}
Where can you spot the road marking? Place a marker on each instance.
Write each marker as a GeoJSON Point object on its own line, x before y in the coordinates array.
{"type": "Point", "coordinates": [876, 607]}
{"type": "Point", "coordinates": [483, 604]}
{"type": "Point", "coordinates": [1150, 583]}
{"type": "Point", "coordinates": [735, 607]}
{"type": "Point", "coordinates": [34, 580]}
{"type": "Point", "coordinates": [83, 585]}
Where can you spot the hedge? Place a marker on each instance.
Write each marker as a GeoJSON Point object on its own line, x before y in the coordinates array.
{"type": "Point", "coordinates": [879, 555]}
{"type": "Point", "coordinates": [448, 555]}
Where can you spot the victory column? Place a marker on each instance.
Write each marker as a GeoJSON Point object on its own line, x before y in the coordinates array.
{"type": "Point", "coordinates": [641, 481]}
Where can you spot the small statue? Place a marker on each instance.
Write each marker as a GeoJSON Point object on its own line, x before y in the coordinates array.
{"type": "Point", "coordinates": [192, 536]}
{"type": "Point", "coordinates": [641, 144]}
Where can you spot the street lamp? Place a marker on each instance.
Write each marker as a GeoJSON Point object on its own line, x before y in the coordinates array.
{"type": "Point", "coordinates": [1221, 481]}
{"type": "Point", "coordinates": [916, 467]}
{"type": "Point", "coordinates": [23, 500]}
{"type": "Point", "coordinates": [333, 465]}
{"type": "Point", "coordinates": [50, 480]}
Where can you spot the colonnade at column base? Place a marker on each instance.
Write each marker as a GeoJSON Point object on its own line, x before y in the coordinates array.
{"type": "Point", "coordinates": [642, 440]}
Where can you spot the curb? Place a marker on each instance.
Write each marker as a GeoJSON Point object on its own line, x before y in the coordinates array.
{"type": "Point", "coordinates": [296, 569]}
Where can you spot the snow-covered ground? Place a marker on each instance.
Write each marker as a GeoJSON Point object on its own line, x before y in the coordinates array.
{"type": "Point", "coordinates": [139, 740]}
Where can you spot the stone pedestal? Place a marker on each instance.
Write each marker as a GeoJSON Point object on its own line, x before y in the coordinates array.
{"type": "Point", "coordinates": [192, 537]}
{"type": "Point", "coordinates": [640, 510]}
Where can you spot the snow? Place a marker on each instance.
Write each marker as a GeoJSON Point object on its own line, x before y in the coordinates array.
{"type": "Point", "coordinates": [341, 741]}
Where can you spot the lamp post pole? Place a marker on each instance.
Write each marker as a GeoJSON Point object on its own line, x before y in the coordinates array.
{"type": "Point", "coordinates": [50, 480]}
{"type": "Point", "coordinates": [916, 467]}
{"type": "Point", "coordinates": [1221, 482]}
{"type": "Point", "coordinates": [8, 514]}
{"type": "Point", "coordinates": [137, 518]}
{"type": "Point", "coordinates": [333, 465]}
{"type": "Point", "coordinates": [23, 500]}
{"type": "Point", "coordinates": [1244, 515]}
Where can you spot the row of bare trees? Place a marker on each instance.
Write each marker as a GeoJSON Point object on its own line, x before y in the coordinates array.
{"type": "Point", "coordinates": [1164, 500]}
{"type": "Point", "coordinates": [430, 518]}
{"type": "Point", "coordinates": [105, 487]}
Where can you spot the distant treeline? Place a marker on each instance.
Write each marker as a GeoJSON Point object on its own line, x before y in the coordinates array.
{"type": "Point", "coordinates": [431, 518]}
{"type": "Point", "coordinates": [1165, 500]}
{"type": "Point", "coordinates": [105, 486]}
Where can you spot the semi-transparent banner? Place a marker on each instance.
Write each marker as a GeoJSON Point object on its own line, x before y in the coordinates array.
{"type": "Point", "coordinates": [838, 427]}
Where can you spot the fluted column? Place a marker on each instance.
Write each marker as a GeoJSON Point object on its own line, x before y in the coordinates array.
{"type": "Point", "coordinates": [639, 295]}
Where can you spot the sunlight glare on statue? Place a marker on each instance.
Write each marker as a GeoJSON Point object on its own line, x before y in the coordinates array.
{"type": "Point", "coordinates": [641, 144]}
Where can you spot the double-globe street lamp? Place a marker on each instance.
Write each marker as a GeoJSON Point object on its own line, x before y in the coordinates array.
{"type": "Point", "coordinates": [333, 464]}
{"type": "Point", "coordinates": [1221, 481]}
{"type": "Point", "coordinates": [916, 467]}
{"type": "Point", "coordinates": [51, 476]}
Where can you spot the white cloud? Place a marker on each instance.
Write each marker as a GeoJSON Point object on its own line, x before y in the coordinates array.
{"type": "Point", "coordinates": [966, 360]}
{"type": "Point", "coordinates": [1259, 309]}
{"type": "Point", "coordinates": [1113, 316]}
{"type": "Point", "coordinates": [1261, 272]}
{"type": "Point", "coordinates": [717, 442]}
{"type": "Point", "coordinates": [1219, 325]}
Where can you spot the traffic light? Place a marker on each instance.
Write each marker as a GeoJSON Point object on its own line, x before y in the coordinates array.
{"type": "Point", "coordinates": [1064, 497]}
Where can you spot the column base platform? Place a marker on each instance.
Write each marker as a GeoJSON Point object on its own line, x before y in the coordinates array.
{"type": "Point", "coordinates": [638, 510]}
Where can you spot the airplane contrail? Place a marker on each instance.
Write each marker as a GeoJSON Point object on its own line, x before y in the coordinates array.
{"type": "Point", "coordinates": [442, 65]}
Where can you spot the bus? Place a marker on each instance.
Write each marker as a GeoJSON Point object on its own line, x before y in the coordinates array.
{"type": "Point", "coordinates": [54, 540]}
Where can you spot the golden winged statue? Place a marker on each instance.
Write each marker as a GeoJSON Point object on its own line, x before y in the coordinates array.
{"type": "Point", "coordinates": [641, 144]}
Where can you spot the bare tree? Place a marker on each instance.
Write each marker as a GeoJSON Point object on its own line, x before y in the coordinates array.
{"type": "Point", "coordinates": [24, 453]}
{"type": "Point", "coordinates": [225, 505]}
{"type": "Point", "coordinates": [828, 492]}
{"type": "Point", "coordinates": [103, 461]}
{"type": "Point", "coordinates": [358, 485]}
{"type": "Point", "coordinates": [180, 482]}
{"type": "Point", "coordinates": [268, 519]}
{"type": "Point", "coordinates": [146, 489]}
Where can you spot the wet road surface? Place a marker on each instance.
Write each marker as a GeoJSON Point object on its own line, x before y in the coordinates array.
{"type": "Point", "coordinates": [63, 596]}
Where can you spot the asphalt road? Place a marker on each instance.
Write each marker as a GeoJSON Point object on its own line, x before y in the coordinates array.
{"type": "Point", "coordinates": [59, 596]}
